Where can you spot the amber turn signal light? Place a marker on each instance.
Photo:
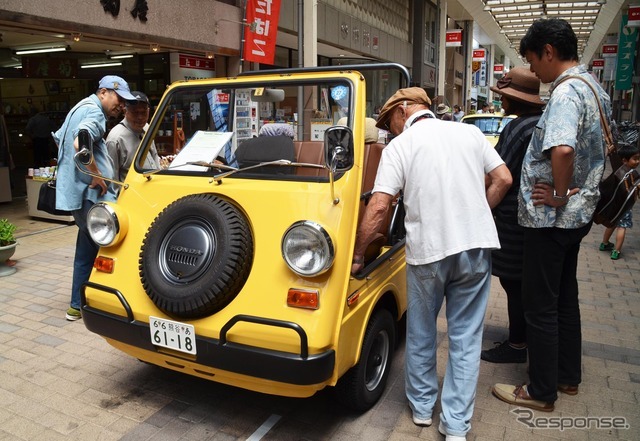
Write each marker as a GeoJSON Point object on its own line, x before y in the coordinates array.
{"type": "Point", "coordinates": [104, 264]}
{"type": "Point", "coordinates": [303, 298]}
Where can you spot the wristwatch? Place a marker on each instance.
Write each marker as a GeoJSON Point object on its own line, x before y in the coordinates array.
{"type": "Point", "coordinates": [560, 198]}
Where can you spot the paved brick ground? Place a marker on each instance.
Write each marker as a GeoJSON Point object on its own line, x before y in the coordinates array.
{"type": "Point", "coordinates": [60, 382]}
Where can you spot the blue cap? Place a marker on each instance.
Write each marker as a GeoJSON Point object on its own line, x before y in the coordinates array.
{"type": "Point", "coordinates": [117, 84]}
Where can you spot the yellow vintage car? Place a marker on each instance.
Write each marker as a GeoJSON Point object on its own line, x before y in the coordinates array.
{"type": "Point", "coordinates": [491, 124]}
{"type": "Point", "coordinates": [233, 264]}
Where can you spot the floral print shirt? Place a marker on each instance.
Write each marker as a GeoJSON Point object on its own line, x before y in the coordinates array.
{"type": "Point", "coordinates": [570, 118]}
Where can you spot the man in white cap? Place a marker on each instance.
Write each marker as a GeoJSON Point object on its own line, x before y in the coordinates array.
{"type": "Point", "coordinates": [123, 140]}
{"type": "Point", "coordinates": [440, 167]}
{"type": "Point", "coordinates": [76, 191]}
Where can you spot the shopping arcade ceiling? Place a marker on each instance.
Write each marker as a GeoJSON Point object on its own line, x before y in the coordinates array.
{"type": "Point", "coordinates": [490, 24]}
{"type": "Point", "coordinates": [504, 22]}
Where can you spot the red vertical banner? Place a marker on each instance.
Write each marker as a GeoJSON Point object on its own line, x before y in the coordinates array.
{"type": "Point", "coordinates": [262, 30]}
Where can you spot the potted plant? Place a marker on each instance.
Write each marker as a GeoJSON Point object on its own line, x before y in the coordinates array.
{"type": "Point", "coordinates": [7, 244]}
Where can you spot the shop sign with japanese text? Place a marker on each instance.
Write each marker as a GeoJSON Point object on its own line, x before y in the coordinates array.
{"type": "Point", "coordinates": [453, 38]}
{"type": "Point", "coordinates": [190, 67]}
{"type": "Point", "coordinates": [194, 62]}
{"type": "Point", "coordinates": [634, 16]}
{"type": "Point", "coordinates": [479, 54]}
{"type": "Point", "coordinates": [609, 50]}
{"type": "Point", "coordinates": [43, 67]}
{"type": "Point", "coordinates": [479, 77]}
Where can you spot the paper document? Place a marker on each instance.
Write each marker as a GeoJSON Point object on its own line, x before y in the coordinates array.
{"type": "Point", "coordinates": [203, 146]}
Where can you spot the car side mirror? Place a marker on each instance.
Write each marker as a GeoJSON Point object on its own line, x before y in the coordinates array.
{"type": "Point", "coordinates": [338, 148]}
{"type": "Point", "coordinates": [85, 148]}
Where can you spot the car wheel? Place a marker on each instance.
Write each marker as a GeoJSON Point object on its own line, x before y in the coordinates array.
{"type": "Point", "coordinates": [196, 256]}
{"type": "Point", "coordinates": [362, 386]}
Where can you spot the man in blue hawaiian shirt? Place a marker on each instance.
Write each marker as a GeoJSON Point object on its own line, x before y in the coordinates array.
{"type": "Point", "coordinates": [562, 168]}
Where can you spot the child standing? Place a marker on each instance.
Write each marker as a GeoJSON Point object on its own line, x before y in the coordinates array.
{"type": "Point", "coordinates": [630, 155]}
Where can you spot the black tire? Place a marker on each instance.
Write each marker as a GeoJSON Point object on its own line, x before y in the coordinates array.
{"type": "Point", "coordinates": [196, 256]}
{"type": "Point", "coordinates": [362, 386]}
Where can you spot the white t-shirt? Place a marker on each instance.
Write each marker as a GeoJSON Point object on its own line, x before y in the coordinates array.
{"type": "Point", "coordinates": [441, 167]}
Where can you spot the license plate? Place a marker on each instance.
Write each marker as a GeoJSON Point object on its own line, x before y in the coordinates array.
{"type": "Point", "coordinates": [173, 335]}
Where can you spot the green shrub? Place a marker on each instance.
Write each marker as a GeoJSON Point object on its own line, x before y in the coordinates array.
{"type": "Point", "coordinates": [6, 232]}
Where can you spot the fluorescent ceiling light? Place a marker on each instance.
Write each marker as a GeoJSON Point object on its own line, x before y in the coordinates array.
{"type": "Point", "coordinates": [41, 50]}
{"type": "Point", "coordinates": [120, 57]}
{"type": "Point", "coordinates": [98, 65]}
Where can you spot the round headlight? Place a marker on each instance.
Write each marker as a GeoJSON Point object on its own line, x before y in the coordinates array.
{"type": "Point", "coordinates": [103, 224]}
{"type": "Point", "coordinates": [307, 248]}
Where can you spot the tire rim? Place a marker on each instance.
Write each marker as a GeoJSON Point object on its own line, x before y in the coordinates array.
{"type": "Point", "coordinates": [187, 250]}
{"type": "Point", "coordinates": [377, 361]}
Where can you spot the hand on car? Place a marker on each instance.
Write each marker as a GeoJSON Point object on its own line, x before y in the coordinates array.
{"type": "Point", "coordinates": [357, 264]}
{"type": "Point", "coordinates": [165, 161]}
{"type": "Point", "coordinates": [99, 182]}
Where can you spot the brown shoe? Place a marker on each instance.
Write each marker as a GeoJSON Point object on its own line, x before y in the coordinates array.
{"type": "Point", "coordinates": [518, 396]}
{"type": "Point", "coordinates": [568, 389]}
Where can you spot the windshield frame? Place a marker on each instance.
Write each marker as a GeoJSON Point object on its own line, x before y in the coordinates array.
{"type": "Point", "coordinates": [232, 85]}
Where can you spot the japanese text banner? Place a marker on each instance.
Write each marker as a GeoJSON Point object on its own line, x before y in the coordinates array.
{"type": "Point", "coordinates": [260, 35]}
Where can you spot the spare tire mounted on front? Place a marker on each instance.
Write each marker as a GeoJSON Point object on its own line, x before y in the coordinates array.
{"type": "Point", "coordinates": [196, 256]}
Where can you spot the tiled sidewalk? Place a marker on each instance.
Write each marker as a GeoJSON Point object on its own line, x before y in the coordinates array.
{"type": "Point", "coordinates": [60, 382]}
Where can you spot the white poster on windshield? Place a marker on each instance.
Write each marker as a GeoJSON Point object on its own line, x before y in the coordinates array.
{"type": "Point", "coordinates": [203, 147]}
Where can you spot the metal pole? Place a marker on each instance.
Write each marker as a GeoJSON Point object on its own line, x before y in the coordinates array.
{"type": "Point", "coordinates": [242, 31]}
{"type": "Point", "coordinates": [437, 60]}
{"type": "Point", "coordinates": [468, 47]}
{"type": "Point", "coordinates": [301, 109]}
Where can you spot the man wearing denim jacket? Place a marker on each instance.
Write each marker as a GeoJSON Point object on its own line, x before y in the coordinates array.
{"type": "Point", "coordinates": [76, 191]}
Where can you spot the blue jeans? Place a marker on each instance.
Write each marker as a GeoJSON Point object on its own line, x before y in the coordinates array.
{"type": "Point", "coordinates": [464, 279]}
{"type": "Point", "coordinates": [86, 252]}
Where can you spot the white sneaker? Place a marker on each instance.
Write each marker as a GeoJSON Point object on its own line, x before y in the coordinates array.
{"type": "Point", "coordinates": [425, 422]}
{"type": "Point", "coordinates": [443, 431]}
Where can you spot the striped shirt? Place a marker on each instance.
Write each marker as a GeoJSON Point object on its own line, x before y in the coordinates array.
{"type": "Point", "coordinates": [512, 145]}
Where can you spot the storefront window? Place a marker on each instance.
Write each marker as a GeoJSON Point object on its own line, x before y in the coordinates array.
{"type": "Point", "coordinates": [284, 58]}
{"type": "Point", "coordinates": [431, 17]}
{"type": "Point", "coordinates": [154, 69]}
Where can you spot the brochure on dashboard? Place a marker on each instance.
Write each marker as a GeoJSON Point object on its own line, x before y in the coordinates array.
{"type": "Point", "coordinates": [203, 146]}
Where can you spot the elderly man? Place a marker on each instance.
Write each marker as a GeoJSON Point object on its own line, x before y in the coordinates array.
{"type": "Point", "coordinates": [440, 168]}
{"type": "Point", "coordinates": [124, 138]}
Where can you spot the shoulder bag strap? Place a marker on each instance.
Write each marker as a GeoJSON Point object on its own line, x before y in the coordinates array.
{"type": "Point", "coordinates": [608, 137]}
